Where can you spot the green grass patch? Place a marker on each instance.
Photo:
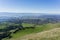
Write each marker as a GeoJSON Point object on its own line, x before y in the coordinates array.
{"type": "Point", "coordinates": [27, 24]}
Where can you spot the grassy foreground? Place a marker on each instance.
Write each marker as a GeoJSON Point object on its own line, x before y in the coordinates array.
{"type": "Point", "coordinates": [53, 34]}
{"type": "Point", "coordinates": [28, 33]}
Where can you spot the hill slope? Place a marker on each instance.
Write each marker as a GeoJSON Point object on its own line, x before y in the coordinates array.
{"type": "Point", "coordinates": [41, 32]}
{"type": "Point", "coordinates": [53, 34]}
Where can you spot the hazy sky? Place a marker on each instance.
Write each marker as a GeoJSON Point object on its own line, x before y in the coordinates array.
{"type": "Point", "coordinates": [30, 6]}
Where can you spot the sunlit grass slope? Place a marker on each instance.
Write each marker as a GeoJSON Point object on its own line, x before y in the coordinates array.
{"type": "Point", "coordinates": [38, 29]}
{"type": "Point", "coordinates": [53, 34]}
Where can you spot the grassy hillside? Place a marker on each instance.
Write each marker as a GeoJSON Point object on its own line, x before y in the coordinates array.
{"type": "Point", "coordinates": [39, 31]}
{"type": "Point", "coordinates": [53, 34]}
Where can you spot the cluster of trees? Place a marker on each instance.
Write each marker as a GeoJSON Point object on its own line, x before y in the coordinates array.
{"type": "Point", "coordinates": [11, 29]}
{"type": "Point", "coordinates": [6, 32]}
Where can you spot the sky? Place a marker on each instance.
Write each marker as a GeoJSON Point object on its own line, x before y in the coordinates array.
{"type": "Point", "coordinates": [30, 6]}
